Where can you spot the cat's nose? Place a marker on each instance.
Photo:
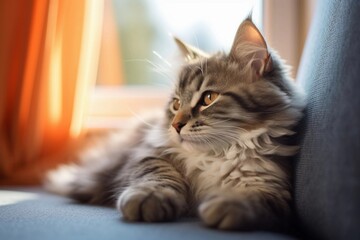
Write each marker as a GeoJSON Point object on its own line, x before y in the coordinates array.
{"type": "Point", "coordinates": [180, 120]}
{"type": "Point", "coordinates": [178, 126]}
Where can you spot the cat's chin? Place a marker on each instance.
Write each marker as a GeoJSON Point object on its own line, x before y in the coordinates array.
{"type": "Point", "coordinates": [191, 146]}
{"type": "Point", "coordinates": [194, 146]}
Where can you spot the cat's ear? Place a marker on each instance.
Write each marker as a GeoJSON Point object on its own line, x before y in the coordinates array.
{"type": "Point", "coordinates": [250, 45]}
{"type": "Point", "coordinates": [189, 52]}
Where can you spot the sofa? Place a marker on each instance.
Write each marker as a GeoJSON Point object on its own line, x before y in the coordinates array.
{"type": "Point", "coordinates": [326, 171]}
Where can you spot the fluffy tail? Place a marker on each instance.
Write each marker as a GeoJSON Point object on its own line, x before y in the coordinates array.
{"type": "Point", "coordinates": [61, 180]}
{"type": "Point", "coordinates": [87, 180]}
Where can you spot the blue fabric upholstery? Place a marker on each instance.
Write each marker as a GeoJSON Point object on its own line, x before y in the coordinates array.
{"type": "Point", "coordinates": [38, 215]}
{"type": "Point", "coordinates": [327, 184]}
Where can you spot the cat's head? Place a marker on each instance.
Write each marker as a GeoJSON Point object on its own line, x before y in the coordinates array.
{"type": "Point", "coordinates": [222, 99]}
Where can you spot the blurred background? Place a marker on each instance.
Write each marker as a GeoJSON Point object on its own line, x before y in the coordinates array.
{"type": "Point", "coordinates": [144, 30]}
{"type": "Point", "coordinates": [72, 67]}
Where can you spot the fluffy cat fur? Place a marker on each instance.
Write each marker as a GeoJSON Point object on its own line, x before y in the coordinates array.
{"type": "Point", "coordinates": [217, 151]}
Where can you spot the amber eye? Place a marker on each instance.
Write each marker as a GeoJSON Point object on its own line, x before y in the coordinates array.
{"type": "Point", "coordinates": [209, 97]}
{"type": "Point", "coordinates": [176, 104]}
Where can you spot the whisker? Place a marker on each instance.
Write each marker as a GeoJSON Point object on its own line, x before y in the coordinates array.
{"type": "Point", "coordinates": [156, 67]}
{"type": "Point", "coordinates": [217, 122]}
{"type": "Point", "coordinates": [161, 58]}
{"type": "Point", "coordinates": [137, 116]}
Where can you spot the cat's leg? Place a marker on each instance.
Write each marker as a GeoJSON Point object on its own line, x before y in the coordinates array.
{"type": "Point", "coordinates": [247, 209]}
{"type": "Point", "coordinates": [156, 192]}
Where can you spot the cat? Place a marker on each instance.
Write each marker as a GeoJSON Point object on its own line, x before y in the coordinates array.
{"type": "Point", "coordinates": [217, 151]}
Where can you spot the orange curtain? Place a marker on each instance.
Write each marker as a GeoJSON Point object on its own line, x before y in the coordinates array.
{"type": "Point", "coordinates": [110, 66]}
{"type": "Point", "coordinates": [49, 53]}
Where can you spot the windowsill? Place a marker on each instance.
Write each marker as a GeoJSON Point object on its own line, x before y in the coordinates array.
{"type": "Point", "coordinates": [114, 107]}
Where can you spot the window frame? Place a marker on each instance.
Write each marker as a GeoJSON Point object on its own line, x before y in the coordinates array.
{"type": "Point", "coordinates": [113, 107]}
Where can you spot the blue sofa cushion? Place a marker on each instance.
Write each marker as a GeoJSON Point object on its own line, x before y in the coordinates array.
{"type": "Point", "coordinates": [327, 183]}
{"type": "Point", "coordinates": [30, 214]}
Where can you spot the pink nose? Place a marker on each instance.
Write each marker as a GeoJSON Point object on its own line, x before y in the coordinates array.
{"type": "Point", "coordinates": [178, 126]}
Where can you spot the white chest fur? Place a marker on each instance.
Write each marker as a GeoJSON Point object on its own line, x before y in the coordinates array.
{"type": "Point", "coordinates": [212, 171]}
{"type": "Point", "coordinates": [238, 168]}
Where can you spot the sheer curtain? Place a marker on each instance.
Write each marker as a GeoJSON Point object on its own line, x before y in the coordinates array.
{"type": "Point", "coordinates": [49, 53]}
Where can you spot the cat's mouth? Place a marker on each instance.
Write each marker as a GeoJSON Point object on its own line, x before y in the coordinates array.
{"type": "Point", "coordinates": [187, 139]}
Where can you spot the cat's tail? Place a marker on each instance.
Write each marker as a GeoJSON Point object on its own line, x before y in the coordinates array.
{"type": "Point", "coordinates": [78, 180]}
{"type": "Point", "coordinates": [97, 162]}
{"type": "Point", "coordinates": [62, 179]}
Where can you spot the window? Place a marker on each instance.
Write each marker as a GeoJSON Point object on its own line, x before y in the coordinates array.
{"type": "Point", "coordinates": [145, 28]}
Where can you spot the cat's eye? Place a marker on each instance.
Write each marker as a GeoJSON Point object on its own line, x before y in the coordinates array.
{"type": "Point", "coordinates": [209, 97]}
{"type": "Point", "coordinates": [176, 104]}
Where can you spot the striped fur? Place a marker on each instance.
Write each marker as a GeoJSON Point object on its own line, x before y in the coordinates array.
{"type": "Point", "coordinates": [227, 161]}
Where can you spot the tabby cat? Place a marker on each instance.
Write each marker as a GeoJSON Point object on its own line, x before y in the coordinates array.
{"type": "Point", "coordinates": [217, 151]}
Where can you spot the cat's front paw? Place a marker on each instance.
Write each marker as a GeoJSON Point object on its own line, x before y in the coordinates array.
{"type": "Point", "coordinates": [150, 204]}
{"type": "Point", "coordinates": [228, 213]}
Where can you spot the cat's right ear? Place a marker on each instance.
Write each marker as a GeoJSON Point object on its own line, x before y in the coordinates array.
{"type": "Point", "coordinates": [250, 45]}
{"type": "Point", "coordinates": [189, 52]}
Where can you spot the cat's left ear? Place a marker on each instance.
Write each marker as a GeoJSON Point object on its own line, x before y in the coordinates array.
{"type": "Point", "coordinates": [250, 45]}
{"type": "Point", "coordinates": [190, 53]}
